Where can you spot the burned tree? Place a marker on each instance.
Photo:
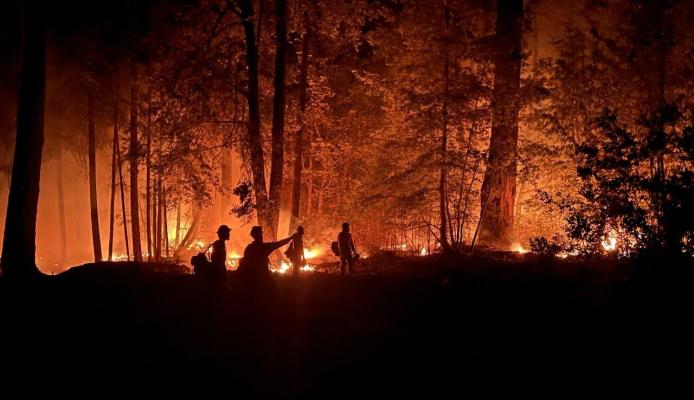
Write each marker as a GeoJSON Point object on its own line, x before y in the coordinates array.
{"type": "Point", "coordinates": [19, 247]}
{"type": "Point", "coordinates": [267, 206]}
{"type": "Point", "coordinates": [134, 156]}
{"type": "Point", "coordinates": [299, 145]}
{"type": "Point", "coordinates": [254, 136]}
{"type": "Point", "coordinates": [112, 202]}
{"type": "Point", "coordinates": [443, 172]}
{"type": "Point", "coordinates": [279, 105]}
{"type": "Point", "coordinates": [93, 205]}
{"type": "Point", "coordinates": [499, 185]}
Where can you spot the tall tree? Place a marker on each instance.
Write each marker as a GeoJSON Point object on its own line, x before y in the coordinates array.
{"type": "Point", "coordinates": [158, 204]}
{"type": "Point", "coordinates": [499, 185]}
{"type": "Point", "coordinates": [121, 186]}
{"type": "Point", "coordinates": [148, 193]}
{"type": "Point", "coordinates": [112, 204]}
{"type": "Point", "coordinates": [299, 144]}
{"type": "Point", "coordinates": [93, 205]}
{"type": "Point", "coordinates": [654, 23]}
{"type": "Point", "coordinates": [254, 137]}
{"type": "Point", "coordinates": [165, 228]}
{"type": "Point", "coordinates": [19, 247]}
{"type": "Point", "coordinates": [278, 109]}
{"type": "Point", "coordinates": [134, 156]}
{"type": "Point", "coordinates": [443, 173]}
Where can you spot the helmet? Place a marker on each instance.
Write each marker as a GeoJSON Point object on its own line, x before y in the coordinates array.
{"type": "Point", "coordinates": [256, 231]}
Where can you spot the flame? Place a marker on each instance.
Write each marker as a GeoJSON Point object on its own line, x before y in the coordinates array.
{"type": "Point", "coordinates": [233, 260]}
{"type": "Point", "coordinates": [610, 242]}
{"type": "Point", "coordinates": [519, 249]}
{"type": "Point", "coordinates": [311, 253]}
{"type": "Point", "coordinates": [423, 252]}
{"type": "Point", "coordinates": [284, 266]}
{"type": "Point", "coordinates": [565, 254]}
{"type": "Point", "coordinates": [120, 257]}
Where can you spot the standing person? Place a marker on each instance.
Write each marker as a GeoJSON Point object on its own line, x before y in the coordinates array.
{"type": "Point", "coordinates": [256, 255]}
{"type": "Point", "coordinates": [348, 251]}
{"type": "Point", "coordinates": [296, 252]}
{"type": "Point", "coordinates": [219, 255]}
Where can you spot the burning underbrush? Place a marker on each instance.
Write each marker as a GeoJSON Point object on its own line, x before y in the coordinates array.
{"type": "Point", "coordinates": [408, 259]}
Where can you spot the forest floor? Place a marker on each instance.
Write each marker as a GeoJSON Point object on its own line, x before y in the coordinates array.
{"type": "Point", "coordinates": [400, 326]}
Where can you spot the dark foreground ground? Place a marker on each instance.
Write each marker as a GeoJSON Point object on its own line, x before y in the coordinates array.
{"type": "Point", "coordinates": [401, 327]}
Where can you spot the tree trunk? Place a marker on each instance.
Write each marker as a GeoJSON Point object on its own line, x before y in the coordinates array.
{"type": "Point", "coordinates": [19, 246]}
{"type": "Point", "coordinates": [319, 205]}
{"type": "Point", "coordinates": [255, 139]}
{"type": "Point", "coordinates": [308, 214]}
{"type": "Point", "coordinates": [499, 183]}
{"type": "Point", "coordinates": [157, 221]}
{"type": "Point", "coordinates": [155, 213]}
{"type": "Point", "coordinates": [112, 205]}
{"type": "Point", "coordinates": [443, 174]}
{"type": "Point", "coordinates": [226, 184]}
{"type": "Point", "coordinates": [166, 222]}
{"type": "Point", "coordinates": [190, 233]}
{"type": "Point", "coordinates": [295, 216]}
{"type": "Point", "coordinates": [134, 156]}
{"type": "Point", "coordinates": [485, 204]}
{"type": "Point", "coordinates": [61, 206]}
{"type": "Point", "coordinates": [93, 204]}
{"type": "Point", "coordinates": [278, 110]}
{"type": "Point", "coordinates": [177, 235]}
{"type": "Point", "coordinates": [148, 193]}
{"type": "Point", "coordinates": [121, 184]}
{"type": "Point", "coordinates": [464, 213]}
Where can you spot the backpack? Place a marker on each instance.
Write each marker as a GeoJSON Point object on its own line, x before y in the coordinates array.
{"type": "Point", "coordinates": [335, 248]}
{"type": "Point", "coordinates": [200, 263]}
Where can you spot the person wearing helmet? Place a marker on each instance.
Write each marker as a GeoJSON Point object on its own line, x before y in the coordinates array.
{"type": "Point", "coordinates": [219, 253]}
{"type": "Point", "coordinates": [348, 252]}
{"type": "Point", "coordinates": [295, 253]}
{"type": "Point", "coordinates": [256, 255]}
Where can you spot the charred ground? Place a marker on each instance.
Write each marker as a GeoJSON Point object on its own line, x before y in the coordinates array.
{"type": "Point", "coordinates": [497, 322]}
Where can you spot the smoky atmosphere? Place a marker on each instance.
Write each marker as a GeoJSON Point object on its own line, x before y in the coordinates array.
{"type": "Point", "coordinates": [340, 198]}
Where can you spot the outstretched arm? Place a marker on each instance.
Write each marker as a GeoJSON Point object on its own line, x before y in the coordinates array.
{"type": "Point", "coordinates": [279, 243]}
{"type": "Point", "coordinates": [351, 244]}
